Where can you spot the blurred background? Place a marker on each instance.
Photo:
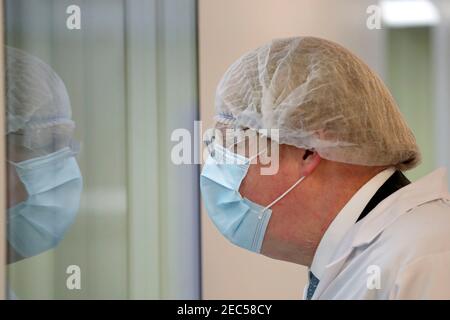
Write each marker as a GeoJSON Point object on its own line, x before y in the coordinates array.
{"type": "Point", "coordinates": [137, 70]}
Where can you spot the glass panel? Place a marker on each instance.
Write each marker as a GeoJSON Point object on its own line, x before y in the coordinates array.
{"type": "Point", "coordinates": [89, 177]}
{"type": "Point", "coordinates": [409, 55]}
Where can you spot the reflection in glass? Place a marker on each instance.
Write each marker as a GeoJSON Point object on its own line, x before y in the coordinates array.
{"type": "Point", "coordinates": [44, 180]}
{"type": "Point", "coordinates": [131, 76]}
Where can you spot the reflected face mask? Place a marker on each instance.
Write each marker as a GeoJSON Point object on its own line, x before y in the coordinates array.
{"type": "Point", "coordinates": [54, 185]}
{"type": "Point", "coordinates": [240, 220]}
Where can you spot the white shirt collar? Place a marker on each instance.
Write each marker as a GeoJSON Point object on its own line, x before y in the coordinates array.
{"type": "Point", "coordinates": [344, 220]}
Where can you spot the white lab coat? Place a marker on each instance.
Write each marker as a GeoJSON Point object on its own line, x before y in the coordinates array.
{"type": "Point", "coordinates": [400, 250]}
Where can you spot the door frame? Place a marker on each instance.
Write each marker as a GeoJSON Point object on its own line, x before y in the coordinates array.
{"type": "Point", "coordinates": [2, 168]}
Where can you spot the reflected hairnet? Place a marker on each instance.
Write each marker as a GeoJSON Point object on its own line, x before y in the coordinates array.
{"type": "Point", "coordinates": [38, 106]}
{"type": "Point", "coordinates": [319, 96]}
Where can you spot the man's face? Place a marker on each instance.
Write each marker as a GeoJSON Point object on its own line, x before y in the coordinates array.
{"type": "Point", "coordinates": [272, 172]}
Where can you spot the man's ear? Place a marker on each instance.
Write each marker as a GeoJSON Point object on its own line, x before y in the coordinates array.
{"type": "Point", "coordinates": [310, 161]}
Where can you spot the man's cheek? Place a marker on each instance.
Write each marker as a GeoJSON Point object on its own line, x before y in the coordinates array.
{"type": "Point", "coordinates": [261, 189]}
{"type": "Point", "coordinates": [247, 187]}
{"type": "Point", "coordinates": [257, 187]}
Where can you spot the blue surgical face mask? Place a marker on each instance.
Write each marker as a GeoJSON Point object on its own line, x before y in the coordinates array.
{"type": "Point", "coordinates": [54, 185]}
{"type": "Point", "coordinates": [240, 220]}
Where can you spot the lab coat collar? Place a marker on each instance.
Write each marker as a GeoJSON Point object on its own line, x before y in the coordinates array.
{"type": "Point", "coordinates": [345, 220]}
{"type": "Point", "coordinates": [429, 188]}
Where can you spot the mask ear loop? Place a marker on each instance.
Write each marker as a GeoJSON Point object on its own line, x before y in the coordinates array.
{"type": "Point", "coordinates": [280, 197]}
{"type": "Point", "coordinates": [14, 164]}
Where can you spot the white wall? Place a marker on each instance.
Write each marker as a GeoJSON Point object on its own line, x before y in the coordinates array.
{"type": "Point", "coordinates": [441, 54]}
{"type": "Point", "coordinates": [2, 173]}
{"type": "Point", "coordinates": [227, 29]}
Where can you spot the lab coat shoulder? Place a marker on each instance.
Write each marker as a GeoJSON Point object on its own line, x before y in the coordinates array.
{"type": "Point", "coordinates": [411, 257]}
{"type": "Point", "coordinates": [421, 231]}
{"type": "Point", "coordinates": [405, 240]}
{"type": "Point", "coordinates": [419, 261]}
{"type": "Point", "coordinates": [427, 277]}
{"type": "Point", "coordinates": [422, 239]}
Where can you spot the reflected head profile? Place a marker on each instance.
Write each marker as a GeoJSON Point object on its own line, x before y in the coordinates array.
{"type": "Point", "coordinates": [44, 180]}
